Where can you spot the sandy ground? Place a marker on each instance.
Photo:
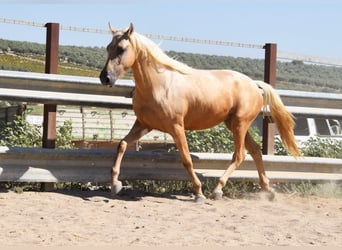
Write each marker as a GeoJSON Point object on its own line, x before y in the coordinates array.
{"type": "Point", "coordinates": [92, 218]}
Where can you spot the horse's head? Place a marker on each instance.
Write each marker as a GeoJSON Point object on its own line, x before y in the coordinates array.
{"type": "Point", "coordinates": [121, 56]}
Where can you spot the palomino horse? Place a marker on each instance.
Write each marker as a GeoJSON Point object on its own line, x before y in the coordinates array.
{"type": "Point", "coordinates": [172, 97]}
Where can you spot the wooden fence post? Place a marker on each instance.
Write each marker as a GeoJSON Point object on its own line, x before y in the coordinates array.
{"type": "Point", "coordinates": [269, 77]}
{"type": "Point", "coordinates": [51, 67]}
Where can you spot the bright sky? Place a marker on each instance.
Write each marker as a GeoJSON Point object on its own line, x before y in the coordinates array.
{"type": "Point", "coordinates": [310, 27]}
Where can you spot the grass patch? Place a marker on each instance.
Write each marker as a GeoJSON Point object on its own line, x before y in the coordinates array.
{"type": "Point", "coordinates": [20, 187]}
{"type": "Point", "coordinates": [37, 64]}
{"type": "Point", "coordinates": [232, 190]}
{"type": "Point", "coordinates": [307, 188]}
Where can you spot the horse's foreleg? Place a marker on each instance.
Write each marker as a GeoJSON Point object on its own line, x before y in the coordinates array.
{"type": "Point", "coordinates": [136, 132]}
{"type": "Point", "coordinates": [239, 131]}
{"type": "Point", "coordinates": [181, 143]}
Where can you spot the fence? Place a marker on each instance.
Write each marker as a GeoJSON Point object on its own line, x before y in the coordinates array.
{"type": "Point", "coordinates": [46, 165]}
{"type": "Point", "coordinates": [280, 54]}
{"type": "Point", "coordinates": [7, 113]}
{"type": "Point", "coordinates": [58, 165]}
{"type": "Point", "coordinates": [51, 67]}
{"type": "Point", "coordinates": [49, 165]}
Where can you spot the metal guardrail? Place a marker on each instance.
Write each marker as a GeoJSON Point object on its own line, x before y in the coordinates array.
{"type": "Point", "coordinates": [63, 89]}
{"type": "Point", "coordinates": [311, 99]}
{"type": "Point", "coordinates": [49, 165]}
{"type": "Point", "coordinates": [62, 83]}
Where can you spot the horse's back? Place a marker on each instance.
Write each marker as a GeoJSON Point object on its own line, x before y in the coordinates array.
{"type": "Point", "coordinates": [229, 86]}
{"type": "Point", "coordinates": [214, 95]}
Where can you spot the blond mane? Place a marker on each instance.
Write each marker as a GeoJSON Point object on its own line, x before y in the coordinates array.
{"type": "Point", "coordinates": [152, 52]}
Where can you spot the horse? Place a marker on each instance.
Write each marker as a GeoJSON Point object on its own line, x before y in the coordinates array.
{"type": "Point", "coordinates": [172, 97]}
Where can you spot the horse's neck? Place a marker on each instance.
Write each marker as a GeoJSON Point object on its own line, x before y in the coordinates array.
{"type": "Point", "coordinates": [147, 76]}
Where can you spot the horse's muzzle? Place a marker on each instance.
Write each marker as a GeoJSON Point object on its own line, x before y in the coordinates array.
{"type": "Point", "coordinates": [107, 79]}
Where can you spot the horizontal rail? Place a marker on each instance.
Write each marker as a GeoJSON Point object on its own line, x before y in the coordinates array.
{"type": "Point", "coordinates": [63, 98]}
{"type": "Point", "coordinates": [63, 83]}
{"type": "Point", "coordinates": [123, 102]}
{"type": "Point", "coordinates": [90, 85]}
{"type": "Point", "coordinates": [310, 99]}
{"type": "Point", "coordinates": [49, 165]}
{"type": "Point", "coordinates": [315, 112]}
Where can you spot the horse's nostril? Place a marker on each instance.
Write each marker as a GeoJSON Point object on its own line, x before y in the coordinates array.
{"type": "Point", "coordinates": [107, 79]}
{"type": "Point", "coordinates": [104, 77]}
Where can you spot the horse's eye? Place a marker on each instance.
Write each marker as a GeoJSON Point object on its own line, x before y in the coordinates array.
{"type": "Point", "coordinates": [120, 50]}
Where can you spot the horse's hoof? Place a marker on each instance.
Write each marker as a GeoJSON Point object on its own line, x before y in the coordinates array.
{"type": "Point", "coordinates": [217, 195]}
{"type": "Point", "coordinates": [116, 188]}
{"type": "Point", "coordinates": [271, 194]}
{"type": "Point", "coordinates": [200, 199]}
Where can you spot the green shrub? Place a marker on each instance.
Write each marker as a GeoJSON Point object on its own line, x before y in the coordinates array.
{"type": "Point", "coordinates": [315, 147]}
{"type": "Point", "coordinates": [215, 140]}
{"type": "Point", "coordinates": [64, 136]}
{"type": "Point", "coordinates": [322, 147]}
{"type": "Point", "coordinates": [19, 133]}
{"type": "Point", "coordinates": [279, 148]}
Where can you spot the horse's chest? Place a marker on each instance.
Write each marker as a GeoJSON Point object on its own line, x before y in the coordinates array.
{"type": "Point", "coordinates": [157, 109]}
{"type": "Point", "coordinates": [151, 116]}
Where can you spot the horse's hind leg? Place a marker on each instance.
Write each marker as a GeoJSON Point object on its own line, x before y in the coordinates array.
{"type": "Point", "coordinates": [239, 130]}
{"type": "Point", "coordinates": [254, 149]}
{"type": "Point", "coordinates": [136, 132]}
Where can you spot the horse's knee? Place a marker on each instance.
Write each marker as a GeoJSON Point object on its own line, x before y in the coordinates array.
{"type": "Point", "coordinates": [122, 146]}
{"type": "Point", "coordinates": [238, 158]}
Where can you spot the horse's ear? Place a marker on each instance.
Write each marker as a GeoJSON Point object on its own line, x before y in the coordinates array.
{"type": "Point", "coordinates": [130, 29]}
{"type": "Point", "coordinates": [111, 28]}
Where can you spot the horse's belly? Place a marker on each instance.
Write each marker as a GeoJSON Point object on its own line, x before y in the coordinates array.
{"type": "Point", "coordinates": [204, 120]}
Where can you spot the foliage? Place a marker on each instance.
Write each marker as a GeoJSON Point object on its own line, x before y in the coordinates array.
{"type": "Point", "coordinates": [32, 64]}
{"type": "Point", "coordinates": [64, 136]}
{"type": "Point", "coordinates": [87, 61]}
{"type": "Point", "coordinates": [20, 133]}
{"type": "Point", "coordinates": [315, 146]}
{"type": "Point", "coordinates": [279, 148]}
{"type": "Point", "coordinates": [12, 62]}
{"type": "Point", "coordinates": [294, 75]}
{"type": "Point", "coordinates": [219, 140]}
{"type": "Point", "coordinates": [322, 147]}
{"type": "Point", "coordinates": [215, 140]}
